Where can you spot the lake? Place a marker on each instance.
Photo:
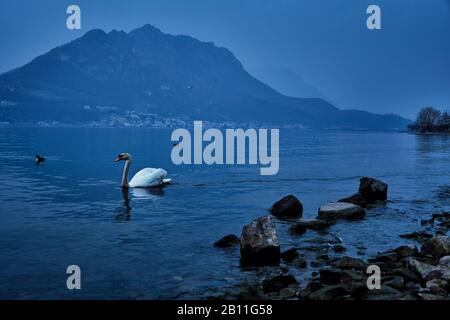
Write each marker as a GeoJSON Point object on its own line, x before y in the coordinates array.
{"type": "Point", "coordinates": [158, 243]}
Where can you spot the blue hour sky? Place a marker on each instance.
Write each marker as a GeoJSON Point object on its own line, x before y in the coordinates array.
{"type": "Point", "coordinates": [399, 69]}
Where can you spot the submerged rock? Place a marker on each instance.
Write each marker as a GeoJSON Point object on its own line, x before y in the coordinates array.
{"type": "Point", "coordinates": [339, 248]}
{"type": "Point", "coordinates": [287, 207]}
{"type": "Point", "coordinates": [227, 241]}
{"type": "Point", "coordinates": [259, 243]}
{"type": "Point", "coordinates": [278, 283]}
{"type": "Point", "coordinates": [302, 226]}
{"type": "Point", "coordinates": [406, 251]}
{"type": "Point", "coordinates": [350, 263]}
{"type": "Point", "coordinates": [341, 210]}
{"type": "Point", "coordinates": [417, 235]}
{"type": "Point", "coordinates": [289, 255]}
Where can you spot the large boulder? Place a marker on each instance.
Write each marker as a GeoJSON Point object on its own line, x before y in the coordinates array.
{"type": "Point", "coordinates": [287, 207]}
{"type": "Point", "coordinates": [259, 243]}
{"type": "Point", "coordinates": [370, 191]}
{"type": "Point", "coordinates": [373, 189]}
{"type": "Point", "coordinates": [340, 210]}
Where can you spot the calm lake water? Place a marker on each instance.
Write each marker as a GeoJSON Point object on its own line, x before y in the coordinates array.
{"type": "Point", "coordinates": [157, 243]}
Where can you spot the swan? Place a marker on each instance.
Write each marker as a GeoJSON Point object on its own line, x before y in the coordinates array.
{"type": "Point", "coordinates": [146, 178]}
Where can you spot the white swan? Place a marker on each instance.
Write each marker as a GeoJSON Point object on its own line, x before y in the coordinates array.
{"type": "Point", "coordinates": [146, 178]}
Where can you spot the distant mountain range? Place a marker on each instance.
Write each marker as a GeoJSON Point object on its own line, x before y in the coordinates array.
{"type": "Point", "coordinates": [146, 76]}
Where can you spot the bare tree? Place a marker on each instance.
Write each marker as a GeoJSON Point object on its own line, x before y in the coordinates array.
{"type": "Point", "coordinates": [428, 118]}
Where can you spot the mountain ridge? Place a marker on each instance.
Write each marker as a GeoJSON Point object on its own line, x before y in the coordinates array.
{"type": "Point", "coordinates": [148, 75]}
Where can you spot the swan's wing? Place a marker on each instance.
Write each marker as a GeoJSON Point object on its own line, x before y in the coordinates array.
{"type": "Point", "coordinates": [148, 177]}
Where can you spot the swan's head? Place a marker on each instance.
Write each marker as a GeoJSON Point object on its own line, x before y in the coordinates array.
{"type": "Point", "coordinates": [123, 156]}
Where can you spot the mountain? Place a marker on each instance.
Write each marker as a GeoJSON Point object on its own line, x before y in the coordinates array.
{"type": "Point", "coordinates": [121, 77]}
{"type": "Point", "coordinates": [285, 81]}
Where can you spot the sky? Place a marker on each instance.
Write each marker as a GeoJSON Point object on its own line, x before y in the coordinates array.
{"type": "Point", "coordinates": [398, 69]}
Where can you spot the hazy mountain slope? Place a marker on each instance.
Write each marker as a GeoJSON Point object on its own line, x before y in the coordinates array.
{"type": "Point", "coordinates": [100, 75]}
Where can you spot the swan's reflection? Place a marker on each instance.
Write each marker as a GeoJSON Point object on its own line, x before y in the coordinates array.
{"type": "Point", "coordinates": [148, 193]}
{"type": "Point", "coordinates": [123, 213]}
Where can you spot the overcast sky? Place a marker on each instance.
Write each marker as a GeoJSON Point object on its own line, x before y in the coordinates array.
{"type": "Point", "coordinates": [399, 69]}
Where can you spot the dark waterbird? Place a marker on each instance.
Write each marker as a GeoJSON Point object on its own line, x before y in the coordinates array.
{"type": "Point", "coordinates": [39, 159]}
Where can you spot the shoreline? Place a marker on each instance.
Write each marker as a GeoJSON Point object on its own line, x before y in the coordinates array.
{"type": "Point", "coordinates": [407, 272]}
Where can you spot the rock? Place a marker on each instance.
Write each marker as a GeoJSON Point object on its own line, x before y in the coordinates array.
{"type": "Point", "coordinates": [420, 268]}
{"type": "Point", "coordinates": [417, 235]}
{"type": "Point", "coordinates": [436, 247]}
{"type": "Point", "coordinates": [406, 251]}
{"type": "Point", "coordinates": [353, 282]}
{"type": "Point", "coordinates": [339, 249]}
{"type": "Point", "coordinates": [227, 241]}
{"type": "Point", "coordinates": [289, 255]}
{"type": "Point", "coordinates": [395, 282]}
{"type": "Point", "coordinates": [445, 262]}
{"type": "Point", "coordinates": [370, 191]}
{"type": "Point", "coordinates": [297, 229]}
{"type": "Point", "coordinates": [330, 276]}
{"type": "Point", "coordinates": [350, 263]}
{"type": "Point", "coordinates": [437, 286]}
{"type": "Point", "coordinates": [413, 287]}
{"type": "Point", "coordinates": [287, 207]}
{"type": "Point", "coordinates": [373, 189]}
{"type": "Point", "coordinates": [287, 293]}
{"type": "Point", "coordinates": [407, 275]}
{"type": "Point", "coordinates": [278, 283]}
{"type": "Point", "coordinates": [301, 226]}
{"type": "Point", "coordinates": [357, 199]}
{"type": "Point", "coordinates": [427, 296]}
{"type": "Point", "coordinates": [340, 210]}
{"type": "Point", "coordinates": [300, 263]}
{"type": "Point", "coordinates": [328, 293]}
{"type": "Point", "coordinates": [386, 257]}
{"type": "Point", "coordinates": [385, 293]}
{"type": "Point", "coordinates": [259, 243]}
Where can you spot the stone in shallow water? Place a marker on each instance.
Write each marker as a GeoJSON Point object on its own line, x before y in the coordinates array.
{"type": "Point", "coordinates": [350, 263]}
{"type": "Point", "coordinates": [341, 210]}
{"type": "Point", "coordinates": [288, 207]}
{"type": "Point", "coordinates": [373, 189]}
{"type": "Point", "coordinates": [278, 283]}
{"type": "Point", "coordinates": [289, 254]}
{"type": "Point", "coordinates": [227, 241]}
{"type": "Point", "coordinates": [259, 243]}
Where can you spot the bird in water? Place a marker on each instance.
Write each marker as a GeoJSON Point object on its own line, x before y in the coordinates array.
{"type": "Point", "coordinates": [39, 159]}
{"type": "Point", "coordinates": [145, 178]}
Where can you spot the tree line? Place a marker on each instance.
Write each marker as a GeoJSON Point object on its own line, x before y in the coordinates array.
{"type": "Point", "coordinates": [430, 119]}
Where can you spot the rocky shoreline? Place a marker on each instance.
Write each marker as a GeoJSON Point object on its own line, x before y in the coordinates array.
{"type": "Point", "coordinates": [407, 272]}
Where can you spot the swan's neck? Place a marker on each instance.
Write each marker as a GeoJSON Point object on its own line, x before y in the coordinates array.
{"type": "Point", "coordinates": [126, 168]}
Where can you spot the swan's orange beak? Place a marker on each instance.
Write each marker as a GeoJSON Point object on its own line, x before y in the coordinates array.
{"type": "Point", "coordinates": [119, 157]}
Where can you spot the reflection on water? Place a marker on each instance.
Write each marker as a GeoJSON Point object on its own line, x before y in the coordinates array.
{"type": "Point", "coordinates": [148, 193]}
{"type": "Point", "coordinates": [67, 210]}
{"type": "Point", "coordinates": [123, 213]}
